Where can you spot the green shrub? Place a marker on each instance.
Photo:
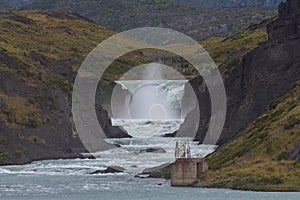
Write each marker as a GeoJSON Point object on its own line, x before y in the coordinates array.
{"type": "Point", "coordinates": [62, 83]}
{"type": "Point", "coordinates": [290, 105]}
{"type": "Point", "coordinates": [36, 140]}
{"type": "Point", "coordinates": [2, 101]}
{"type": "Point", "coordinates": [292, 122]}
{"type": "Point", "coordinates": [252, 182]}
{"type": "Point", "coordinates": [281, 156]}
{"type": "Point", "coordinates": [3, 153]}
{"type": "Point", "coordinates": [233, 62]}
{"type": "Point", "coordinates": [37, 99]}
{"type": "Point", "coordinates": [2, 139]}
{"type": "Point", "coordinates": [167, 175]}
{"type": "Point", "coordinates": [20, 152]}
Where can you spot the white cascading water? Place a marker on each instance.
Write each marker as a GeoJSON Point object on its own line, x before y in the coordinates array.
{"type": "Point", "coordinates": [153, 110]}
{"type": "Point", "coordinates": [154, 107]}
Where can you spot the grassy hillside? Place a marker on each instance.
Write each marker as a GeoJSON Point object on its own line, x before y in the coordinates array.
{"type": "Point", "coordinates": [40, 52]}
{"type": "Point", "coordinates": [48, 47]}
{"type": "Point", "coordinates": [264, 156]}
{"type": "Point", "coordinates": [228, 52]}
{"type": "Point", "coordinates": [39, 55]}
{"type": "Point", "coordinates": [199, 23]}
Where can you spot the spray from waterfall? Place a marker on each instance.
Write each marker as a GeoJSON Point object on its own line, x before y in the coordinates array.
{"type": "Point", "coordinates": [153, 71]}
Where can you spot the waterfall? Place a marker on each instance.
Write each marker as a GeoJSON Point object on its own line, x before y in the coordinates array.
{"type": "Point", "coordinates": [154, 105]}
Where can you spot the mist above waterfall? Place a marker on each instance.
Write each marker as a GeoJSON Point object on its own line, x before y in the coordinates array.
{"type": "Point", "coordinates": [153, 72]}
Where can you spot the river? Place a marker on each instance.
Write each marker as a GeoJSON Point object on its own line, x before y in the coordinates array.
{"type": "Point", "coordinates": [70, 179]}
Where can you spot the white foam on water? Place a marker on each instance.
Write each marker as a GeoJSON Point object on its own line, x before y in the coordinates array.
{"type": "Point", "coordinates": [55, 168]}
{"type": "Point", "coordinates": [131, 157]}
{"type": "Point", "coordinates": [148, 128]}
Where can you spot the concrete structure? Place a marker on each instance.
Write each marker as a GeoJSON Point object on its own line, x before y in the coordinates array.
{"type": "Point", "coordinates": [185, 171]}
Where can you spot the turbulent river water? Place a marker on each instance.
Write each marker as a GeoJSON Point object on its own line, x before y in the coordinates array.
{"type": "Point", "coordinates": [70, 180]}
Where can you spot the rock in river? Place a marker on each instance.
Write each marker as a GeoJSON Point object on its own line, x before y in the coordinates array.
{"type": "Point", "coordinates": [111, 169]}
{"type": "Point", "coordinates": [162, 171]}
{"type": "Point", "coordinates": [153, 150]}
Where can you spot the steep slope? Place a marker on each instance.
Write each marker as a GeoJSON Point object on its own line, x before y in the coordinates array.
{"type": "Point", "coordinates": [233, 3]}
{"type": "Point", "coordinates": [40, 52]}
{"type": "Point", "coordinates": [266, 72]}
{"type": "Point", "coordinates": [197, 22]}
{"type": "Point", "coordinates": [227, 53]}
{"type": "Point", "coordinates": [266, 156]}
{"type": "Point", "coordinates": [263, 74]}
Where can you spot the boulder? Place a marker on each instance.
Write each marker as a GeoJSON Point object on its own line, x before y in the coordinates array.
{"type": "Point", "coordinates": [162, 171]}
{"type": "Point", "coordinates": [153, 150]}
{"type": "Point", "coordinates": [106, 124]}
{"type": "Point", "coordinates": [112, 169]}
{"type": "Point", "coordinates": [171, 135]}
{"type": "Point", "coordinates": [141, 176]}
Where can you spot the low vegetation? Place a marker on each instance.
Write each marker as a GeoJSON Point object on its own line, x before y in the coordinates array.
{"type": "Point", "coordinates": [259, 158]}
{"type": "Point", "coordinates": [228, 52]}
{"type": "Point", "coordinates": [18, 113]}
{"type": "Point", "coordinates": [40, 52]}
{"type": "Point", "coordinates": [3, 152]}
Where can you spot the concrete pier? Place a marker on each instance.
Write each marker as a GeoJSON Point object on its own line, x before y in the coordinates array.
{"type": "Point", "coordinates": [185, 171]}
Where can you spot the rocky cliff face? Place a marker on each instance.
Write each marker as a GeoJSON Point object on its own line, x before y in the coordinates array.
{"type": "Point", "coordinates": [263, 75]}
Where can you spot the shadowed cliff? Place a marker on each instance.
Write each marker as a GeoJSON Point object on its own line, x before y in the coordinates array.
{"type": "Point", "coordinates": [261, 76]}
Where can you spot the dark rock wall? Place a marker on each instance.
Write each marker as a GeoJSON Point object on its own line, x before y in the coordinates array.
{"type": "Point", "coordinates": [264, 74]}
{"type": "Point", "coordinates": [60, 141]}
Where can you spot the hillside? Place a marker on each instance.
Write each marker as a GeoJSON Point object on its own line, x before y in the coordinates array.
{"type": "Point", "coordinates": [233, 3]}
{"type": "Point", "coordinates": [36, 82]}
{"type": "Point", "coordinates": [199, 23]}
{"type": "Point", "coordinates": [227, 52]}
{"type": "Point", "coordinates": [252, 81]}
{"type": "Point", "coordinates": [265, 154]}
